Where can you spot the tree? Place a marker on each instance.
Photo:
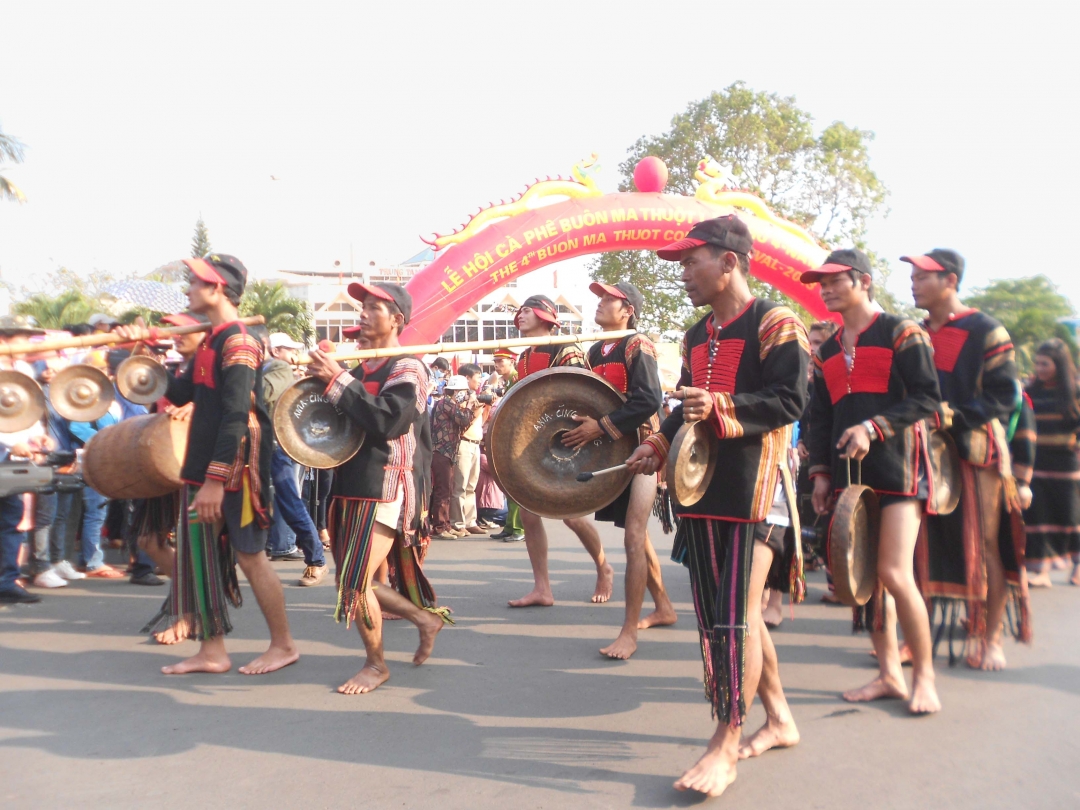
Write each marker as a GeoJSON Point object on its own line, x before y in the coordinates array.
{"type": "Point", "coordinates": [824, 183]}
{"type": "Point", "coordinates": [283, 312]}
{"type": "Point", "coordinates": [11, 150]}
{"type": "Point", "coordinates": [57, 311]}
{"type": "Point", "coordinates": [200, 243]}
{"type": "Point", "coordinates": [1029, 308]}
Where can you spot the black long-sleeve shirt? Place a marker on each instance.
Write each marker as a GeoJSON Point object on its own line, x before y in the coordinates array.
{"type": "Point", "coordinates": [891, 382]}
{"type": "Point", "coordinates": [755, 367]}
{"type": "Point", "coordinates": [230, 427]}
{"type": "Point", "coordinates": [629, 364]}
{"type": "Point", "coordinates": [976, 368]}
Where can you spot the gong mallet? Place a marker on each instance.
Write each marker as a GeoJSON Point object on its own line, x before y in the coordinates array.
{"type": "Point", "coordinates": [589, 476]}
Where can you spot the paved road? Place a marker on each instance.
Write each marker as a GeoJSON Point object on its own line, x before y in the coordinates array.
{"type": "Point", "coordinates": [515, 710]}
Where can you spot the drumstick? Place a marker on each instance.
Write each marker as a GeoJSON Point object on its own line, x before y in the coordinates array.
{"type": "Point", "coordinates": [588, 476]}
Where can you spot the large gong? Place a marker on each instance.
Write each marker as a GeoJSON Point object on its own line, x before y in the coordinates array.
{"type": "Point", "coordinates": [528, 456]}
{"type": "Point", "coordinates": [311, 429]}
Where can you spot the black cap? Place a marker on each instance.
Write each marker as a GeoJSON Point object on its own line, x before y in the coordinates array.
{"type": "Point", "coordinates": [623, 289]}
{"type": "Point", "coordinates": [220, 268]}
{"type": "Point", "coordinates": [938, 260]}
{"type": "Point", "coordinates": [543, 307]}
{"type": "Point", "coordinates": [394, 293]}
{"type": "Point", "coordinates": [729, 233]}
{"type": "Point", "coordinates": [839, 261]}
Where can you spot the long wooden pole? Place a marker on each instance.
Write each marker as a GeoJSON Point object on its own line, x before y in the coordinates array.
{"type": "Point", "coordinates": [109, 339]}
{"type": "Point", "coordinates": [475, 346]}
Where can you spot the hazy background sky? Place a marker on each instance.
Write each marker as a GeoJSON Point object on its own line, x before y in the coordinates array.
{"type": "Point", "coordinates": [387, 121]}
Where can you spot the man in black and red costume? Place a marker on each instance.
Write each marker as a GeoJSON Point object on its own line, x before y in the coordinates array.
{"type": "Point", "coordinates": [629, 364]}
{"type": "Point", "coordinates": [539, 317]}
{"type": "Point", "coordinates": [976, 368]}
{"type": "Point", "coordinates": [225, 501]}
{"type": "Point", "coordinates": [874, 384]}
{"type": "Point", "coordinates": [379, 496]}
{"type": "Point", "coordinates": [744, 374]}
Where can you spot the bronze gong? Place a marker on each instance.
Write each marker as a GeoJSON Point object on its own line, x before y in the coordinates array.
{"type": "Point", "coordinates": [311, 429]}
{"type": "Point", "coordinates": [142, 380]}
{"type": "Point", "coordinates": [691, 462]}
{"type": "Point", "coordinates": [944, 461]}
{"type": "Point", "coordinates": [853, 541]}
{"type": "Point", "coordinates": [81, 393]}
{"type": "Point", "coordinates": [528, 456]}
{"type": "Point", "coordinates": [22, 402]}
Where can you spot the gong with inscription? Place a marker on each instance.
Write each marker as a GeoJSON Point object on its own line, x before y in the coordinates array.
{"type": "Point", "coordinates": [526, 451]}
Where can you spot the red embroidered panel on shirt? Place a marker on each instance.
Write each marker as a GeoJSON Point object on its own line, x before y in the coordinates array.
{"type": "Point", "coordinates": [614, 373]}
{"type": "Point", "coordinates": [948, 342]}
{"type": "Point", "coordinates": [869, 374]}
{"type": "Point", "coordinates": [721, 377]}
{"type": "Point", "coordinates": [204, 367]}
{"type": "Point", "coordinates": [531, 361]}
{"type": "Point", "coordinates": [372, 387]}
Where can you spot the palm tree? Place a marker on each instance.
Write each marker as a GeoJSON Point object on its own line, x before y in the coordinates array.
{"type": "Point", "coordinates": [11, 149]}
{"type": "Point", "coordinates": [57, 311]}
{"type": "Point", "coordinates": [283, 312]}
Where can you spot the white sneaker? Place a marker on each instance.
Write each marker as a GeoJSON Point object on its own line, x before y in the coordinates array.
{"type": "Point", "coordinates": [50, 579]}
{"type": "Point", "coordinates": [67, 570]}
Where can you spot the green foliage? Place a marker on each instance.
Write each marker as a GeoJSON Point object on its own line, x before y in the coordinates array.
{"type": "Point", "coordinates": [1029, 308]}
{"type": "Point", "coordinates": [283, 312]}
{"type": "Point", "coordinates": [200, 243]}
{"type": "Point", "coordinates": [11, 151]}
{"type": "Point", "coordinates": [824, 183]}
{"type": "Point", "coordinates": [57, 311]}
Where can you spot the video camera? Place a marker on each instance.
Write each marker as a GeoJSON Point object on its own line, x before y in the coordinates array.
{"type": "Point", "coordinates": [17, 477]}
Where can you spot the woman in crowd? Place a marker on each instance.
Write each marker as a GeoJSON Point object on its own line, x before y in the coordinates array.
{"type": "Point", "coordinates": [1053, 520]}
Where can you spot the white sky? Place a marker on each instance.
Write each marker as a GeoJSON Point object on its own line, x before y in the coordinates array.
{"type": "Point", "coordinates": [387, 121]}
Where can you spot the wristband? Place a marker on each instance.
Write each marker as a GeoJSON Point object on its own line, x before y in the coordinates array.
{"type": "Point", "coordinates": [869, 425]}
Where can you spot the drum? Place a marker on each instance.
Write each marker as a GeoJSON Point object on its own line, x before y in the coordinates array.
{"type": "Point", "coordinates": [137, 458]}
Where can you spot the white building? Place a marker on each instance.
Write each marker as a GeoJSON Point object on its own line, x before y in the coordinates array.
{"type": "Point", "coordinates": [492, 318]}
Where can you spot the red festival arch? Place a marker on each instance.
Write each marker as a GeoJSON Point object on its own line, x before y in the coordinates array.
{"type": "Point", "coordinates": [508, 240]}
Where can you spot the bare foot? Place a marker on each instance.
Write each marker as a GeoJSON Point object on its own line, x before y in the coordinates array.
{"type": "Point", "coordinates": [272, 660]}
{"type": "Point", "coordinates": [773, 615]}
{"type": "Point", "coordinates": [1040, 580]}
{"type": "Point", "coordinates": [367, 679]}
{"type": "Point", "coordinates": [993, 658]}
{"type": "Point", "coordinates": [1075, 578]}
{"type": "Point", "coordinates": [390, 617]}
{"type": "Point", "coordinates": [880, 687]}
{"type": "Point", "coordinates": [661, 617]}
{"type": "Point", "coordinates": [534, 598]}
{"type": "Point", "coordinates": [605, 580]}
{"type": "Point", "coordinates": [924, 697]}
{"type": "Point", "coordinates": [173, 635]}
{"type": "Point", "coordinates": [428, 630]}
{"type": "Point", "coordinates": [203, 662]}
{"type": "Point", "coordinates": [710, 775]}
{"type": "Point", "coordinates": [622, 647]}
{"type": "Point", "coordinates": [830, 598]}
{"type": "Point", "coordinates": [774, 734]}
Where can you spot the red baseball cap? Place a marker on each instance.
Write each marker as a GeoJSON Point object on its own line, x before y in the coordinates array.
{"type": "Point", "coordinates": [220, 268]}
{"type": "Point", "coordinates": [543, 307]}
{"type": "Point", "coordinates": [839, 261]}
{"type": "Point", "coordinates": [393, 293]}
{"type": "Point", "coordinates": [938, 260]}
{"type": "Point", "coordinates": [729, 233]}
{"type": "Point", "coordinates": [185, 319]}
